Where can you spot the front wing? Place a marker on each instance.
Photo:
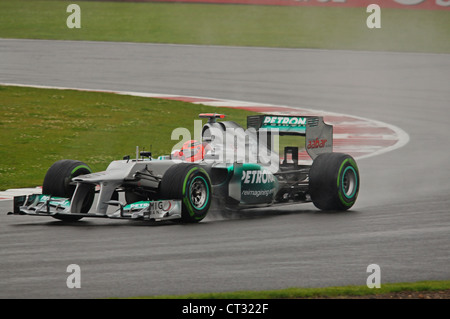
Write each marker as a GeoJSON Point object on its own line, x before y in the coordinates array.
{"type": "Point", "coordinates": [45, 205]}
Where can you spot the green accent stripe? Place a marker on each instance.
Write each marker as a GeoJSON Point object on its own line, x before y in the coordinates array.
{"type": "Point", "coordinates": [186, 178]}
{"type": "Point", "coordinates": [339, 181]}
{"type": "Point", "coordinates": [78, 167]}
{"type": "Point", "coordinates": [356, 181]}
{"type": "Point", "coordinates": [186, 199]}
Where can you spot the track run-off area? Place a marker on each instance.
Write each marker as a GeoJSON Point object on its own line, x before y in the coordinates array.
{"type": "Point", "coordinates": [392, 105]}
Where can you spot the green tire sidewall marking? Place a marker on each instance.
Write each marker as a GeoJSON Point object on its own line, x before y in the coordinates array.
{"type": "Point", "coordinates": [78, 167]}
{"type": "Point", "coordinates": [186, 199]}
{"type": "Point", "coordinates": [340, 182]}
{"type": "Point", "coordinates": [68, 179]}
{"type": "Point", "coordinates": [356, 180]}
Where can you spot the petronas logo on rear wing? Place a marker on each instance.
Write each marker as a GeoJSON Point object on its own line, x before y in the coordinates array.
{"type": "Point", "coordinates": [294, 124]}
{"type": "Point", "coordinates": [319, 135]}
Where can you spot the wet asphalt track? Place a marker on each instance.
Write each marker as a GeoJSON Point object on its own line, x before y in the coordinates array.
{"type": "Point", "coordinates": [400, 222]}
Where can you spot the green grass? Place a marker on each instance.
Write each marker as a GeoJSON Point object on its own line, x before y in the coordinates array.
{"type": "Point", "coordinates": [239, 25]}
{"type": "Point", "coordinates": [41, 126]}
{"type": "Point", "coordinates": [329, 292]}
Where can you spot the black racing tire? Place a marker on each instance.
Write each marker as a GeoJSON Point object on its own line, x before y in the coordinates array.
{"type": "Point", "coordinates": [57, 182]}
{"type": "Point", "coordinates": [334, 181]}
{"type": "Point", "coordinates": [192, 184]}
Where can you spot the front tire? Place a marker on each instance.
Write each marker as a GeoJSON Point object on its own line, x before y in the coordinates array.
{"type": "Point", "coordinates": [57, 182]}
{"type": "Point", "coordinates": [191, 184]}
{"type": "Point", "coordinates": [334, 181]}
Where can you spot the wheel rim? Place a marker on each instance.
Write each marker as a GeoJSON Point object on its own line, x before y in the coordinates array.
{"type": "Point", "coordinates": [349, 182]}
{"type": "Point", "coordinates": [199, 193]}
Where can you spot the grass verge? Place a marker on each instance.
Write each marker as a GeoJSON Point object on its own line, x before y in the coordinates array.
{"type": "Point", "coordinates": [329, 292]}
{"type": "Point", "coordinates": [238, 25]}
{"type": "Point", "coordinates": [41, 126]}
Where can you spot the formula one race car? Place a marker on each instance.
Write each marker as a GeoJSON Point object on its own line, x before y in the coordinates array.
{"type": "Point", "coordinates": [237, 168]}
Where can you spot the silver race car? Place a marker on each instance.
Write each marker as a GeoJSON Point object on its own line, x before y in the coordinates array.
{"type": "Point", "coordinates": [237, 168]}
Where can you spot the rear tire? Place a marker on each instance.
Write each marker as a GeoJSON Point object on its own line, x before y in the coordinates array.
{"type": "Point", "coordinates": [334, 181]}
{"type": "Point", "coordinates": [191, 184]}
{"type": "Point", "coordinates": [57, 182]}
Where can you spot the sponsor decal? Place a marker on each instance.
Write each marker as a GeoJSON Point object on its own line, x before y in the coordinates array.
{"type": "Point", "coordinates": [317, 143]}
{"type": "Point", "coordinates": [294, 124]}
{"type": "Point", "coordinates": [258, 186]}
{"type": "Point", "coordinates": [284, 120]}
{"type": "Point", "coordinates": [257, 177]}
{"type": "Point", "coordinates": [257, 193]}
{"type": "Point", "coordinates": [55, 201]}
{"type": "Point", "coordinates": [140, 205]}
{"type": "Point", "coordinates": [151, 206]}
{"type": "Point", "coordinates": [43, 198]}
{"type": "Point", "coordinates": [166, 209]}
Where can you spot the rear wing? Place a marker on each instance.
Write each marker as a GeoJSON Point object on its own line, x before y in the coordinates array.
{"type": "Point", "coordinates": [318, 134]}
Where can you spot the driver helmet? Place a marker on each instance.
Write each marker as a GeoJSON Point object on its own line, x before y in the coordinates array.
{"type": "Point", "coordinates": [192, 151]}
